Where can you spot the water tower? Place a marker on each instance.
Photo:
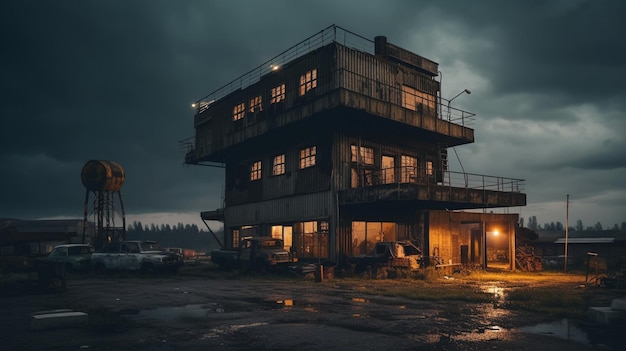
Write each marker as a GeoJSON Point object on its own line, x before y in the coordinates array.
{"type": "Point", "coordinates": [104, 179]}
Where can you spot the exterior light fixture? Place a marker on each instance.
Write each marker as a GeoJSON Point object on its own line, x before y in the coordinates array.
{"type": "Point", "coordinates": [194, 105]}
{"type": "Point", "coordinates": [467, 91]}
{"type": "Point", "coordinates": [274, 67]}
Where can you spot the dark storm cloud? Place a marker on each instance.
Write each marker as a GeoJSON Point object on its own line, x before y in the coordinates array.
{"type": "Point", "coordinates": [560, 51]}
{"type": "Point", "coordinates": [114, 80]}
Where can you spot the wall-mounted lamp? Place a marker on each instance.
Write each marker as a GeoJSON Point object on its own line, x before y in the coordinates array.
{"type": "Point", "coordinates": [467, 91]}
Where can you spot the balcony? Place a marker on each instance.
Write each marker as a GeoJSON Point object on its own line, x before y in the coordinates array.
{"type": "Point", "coordinates": [449, 190]}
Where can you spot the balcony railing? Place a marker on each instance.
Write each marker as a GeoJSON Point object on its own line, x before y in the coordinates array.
{"type": "Point", "coordinates": [415, 175]}
{"type": "Point", "coordinates": [427, 104]}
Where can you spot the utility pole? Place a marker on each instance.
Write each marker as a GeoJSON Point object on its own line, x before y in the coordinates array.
{"type": "Point", "coordinates": [566, 231]}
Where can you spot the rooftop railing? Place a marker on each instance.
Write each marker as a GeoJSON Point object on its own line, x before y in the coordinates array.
{"type": "Point", "coordinates": [328, 35]}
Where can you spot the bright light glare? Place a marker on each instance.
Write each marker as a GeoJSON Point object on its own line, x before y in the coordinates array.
{"type": "Point", "coordinates": [496, 232]}
{"type": "Point", "coordinates": [193, 105]}
{"type": "Point", "coordinates": [275, 67]}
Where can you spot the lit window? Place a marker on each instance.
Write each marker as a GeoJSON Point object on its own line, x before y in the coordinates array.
{"type": "Point", "coordinates": [255, 171]}
{"type": "Point", "coordinates": [238, 111]}
{"type": "Point", "coordinates": [429, 167]}
{"type": "Point", "coordinates": [388, 169]}
{"type": "Point", "coordinates": [255, 104]}
{"type": "Point", "coordinates": [278, 166]}
{"type": "Point", "coordinates": [235, 237]}
{"type": "Point", "coordinates": [277, 232]}
{"type": "Point", "coordinates": [366, 154]}
{"type": "Point", "coordinates": [307, 157]}
{"type": "Point", "coordinates": [413, 98]}
{"type": "Point", "coordinates": [409, 169]}
{"type": "Point", "coordinates": [278, 94]}
{"type": "Point", "coordinates": [308, 81]}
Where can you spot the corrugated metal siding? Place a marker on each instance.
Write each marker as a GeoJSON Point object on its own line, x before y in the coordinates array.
{"type": "Point", "coordinates": [342, 155]}
{"type": "Point", "coordinates": [295, 181]}
{"type": "Point", "coordinates": [226, 132]}
{"type": "Point", "coordinates": [372, 76]}
{"type": "Point", "coordinates": [290, 209]}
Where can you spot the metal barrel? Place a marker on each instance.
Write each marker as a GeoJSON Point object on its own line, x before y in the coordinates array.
{"type": "Point", "coordinates": [100, 175]}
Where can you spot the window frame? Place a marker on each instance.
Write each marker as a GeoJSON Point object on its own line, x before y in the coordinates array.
{"type": "Point", "coordinates": [239, 111]}
{"type": "Point", "coordinates": [407, 171]}
{"type": "Point", "coordinates": [255, 102]}
{"type": "Point", "coordinates": [256, 171]}
{"type": "Point", "coordinates": [362, 154]}
{"type": "Point", "coordinates": [412, 98]}
{"type": "Point", "coordinates": [308, 157]}
{"type": "Point", "coordinates": [278, 168]}
{"type": "Point", "coordinates": [278, 93]}
{"type": "Point", "coordinates": [308, 81]}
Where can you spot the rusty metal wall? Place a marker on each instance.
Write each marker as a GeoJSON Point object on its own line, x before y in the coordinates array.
{"type": "Point", "coordinates": [375, 77]}
{"type": "Point", "coordinates": [285, 210]}
{"type": "Point", "coordinates": [295, 181]}
{"type": "Point", "coordinates": [225, 131]}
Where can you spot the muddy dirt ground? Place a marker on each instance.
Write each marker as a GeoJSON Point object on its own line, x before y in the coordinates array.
{"type": "Point", "coordinates": [193, 312]}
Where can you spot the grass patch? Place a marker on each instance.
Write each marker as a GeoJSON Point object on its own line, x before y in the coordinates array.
{"type": "Point", "coordinates": [426, 290]}
{"type": "Point", "coordinates": [553, 301]}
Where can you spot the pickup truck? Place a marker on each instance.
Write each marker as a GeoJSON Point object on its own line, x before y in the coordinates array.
{"type": "Point", "coordinates": [144, 256]}
{"type": "Point", "coordinates": [260, 253]}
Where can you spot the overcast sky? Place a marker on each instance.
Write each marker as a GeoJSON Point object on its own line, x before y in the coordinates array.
{"type": "Point", "coordinates": [114, 80]}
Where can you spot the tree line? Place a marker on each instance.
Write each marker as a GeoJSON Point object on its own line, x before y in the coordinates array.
{"type": "Point", "coordinates": [558, 226]}
{"type": "Point", "coordinates": [187, 236]}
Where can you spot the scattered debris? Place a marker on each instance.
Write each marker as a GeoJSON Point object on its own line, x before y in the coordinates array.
{"type": "Point", "coordinates": [57, 319]}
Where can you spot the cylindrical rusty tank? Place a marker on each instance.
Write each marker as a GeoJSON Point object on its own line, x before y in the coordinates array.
{"type": "Point", "coordinates": [99, 175]}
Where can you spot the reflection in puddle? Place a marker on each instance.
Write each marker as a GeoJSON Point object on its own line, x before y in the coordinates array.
{"type": "Point", "coordinates": [219, 331]}
{"type": "Point", "coordinates": [563, 329]}
{"type": "Point", "coordinates": [498, 293]}
{"type": "Point", "coordinates": [488, 333]}
{"type": "Point", "coordinates": [177, 312]}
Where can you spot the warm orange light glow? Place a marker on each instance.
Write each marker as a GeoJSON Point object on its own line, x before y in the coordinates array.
{"type": "Point", "coordinates": [275, 67]}
{"type": "Point", "coordinates": [496, 232]}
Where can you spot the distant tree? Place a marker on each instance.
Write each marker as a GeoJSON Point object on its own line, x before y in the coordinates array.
{"type": "Point", "coordinates": [532, 223]}
{"type": "Point", "coordinates": [579, 225]}
{"type": "Point", "coordinates": [549, 226]}
{"type": "Point", "coordinates": [598, 226]}
{"type": "Point", "coordinates": [571, 229]}
{"type": "Point", "coordinates": [623, 226]}
{"type": "Point", "coordinates": [559, 226]}
{"type": "Point", "coordinates": [521, 222]}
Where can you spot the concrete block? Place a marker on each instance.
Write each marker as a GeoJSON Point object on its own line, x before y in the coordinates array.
{"type": "Point", "coordinates": [604, 315]}
{"type": "Point", "coordinates": [619, 304]}
{"type": "Point", "coordinates": [57, 319]}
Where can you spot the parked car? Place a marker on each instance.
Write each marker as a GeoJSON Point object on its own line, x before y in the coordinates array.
{"type": "Point", "coordinates": [75, 257]}
{"type": "Point", "coordinates": [144, 256]}
{"type": "Point", "coordinates": [259, 253]}
{"type": "Point", "coordinates": [177, 250]}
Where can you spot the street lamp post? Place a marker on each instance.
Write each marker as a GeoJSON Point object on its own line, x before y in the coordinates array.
{"type": "Point", "coordinates": [467, 91]}
{"type": "Point", "coordinates": [463, 122]}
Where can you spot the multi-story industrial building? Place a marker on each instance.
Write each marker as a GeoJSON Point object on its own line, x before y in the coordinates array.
{"type": "Point", "coordinates": [340, 142]}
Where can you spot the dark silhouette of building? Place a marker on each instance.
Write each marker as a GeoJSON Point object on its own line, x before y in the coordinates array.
{"type": "Point", "coordinates": [340, 142]}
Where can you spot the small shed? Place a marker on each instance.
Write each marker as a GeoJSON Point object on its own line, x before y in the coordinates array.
{"type": "Point", "coordinates": [609, 245]}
